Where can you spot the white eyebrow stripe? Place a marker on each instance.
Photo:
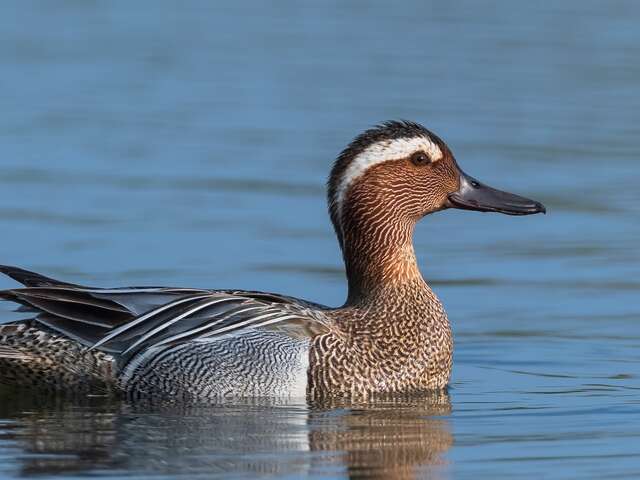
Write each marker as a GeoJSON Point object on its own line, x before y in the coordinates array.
{"type": "Point", "coordinates": [382, 152]}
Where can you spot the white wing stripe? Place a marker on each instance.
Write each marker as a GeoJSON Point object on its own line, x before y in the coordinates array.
{"type": "Point", "coordinates": [180, 317]}
{"type": "Point", "coordinates": [144, 317]}
{"type": "Point", "coordinates": [242, 324]}
{"type": "Point", "coordinates": [209, 325]}
{"type": "Point", "coordinates": [131, 290]}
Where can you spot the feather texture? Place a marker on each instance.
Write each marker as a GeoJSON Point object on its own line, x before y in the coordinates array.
{"type": "Point", "coordinates": [125, 322]}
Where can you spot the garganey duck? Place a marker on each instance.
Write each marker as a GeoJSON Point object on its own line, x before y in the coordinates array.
{"type": "Point", "coordinates": [391, 336]}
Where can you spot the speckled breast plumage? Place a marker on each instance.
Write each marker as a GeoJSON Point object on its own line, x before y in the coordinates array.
{"type": "Point", "coordinates": [398, 345]}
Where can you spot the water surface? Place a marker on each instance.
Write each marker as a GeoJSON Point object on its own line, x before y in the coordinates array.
{"type": "Point", "coordinates": [188, 145]}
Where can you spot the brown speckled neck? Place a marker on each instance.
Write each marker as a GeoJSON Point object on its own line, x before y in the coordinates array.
{"type": "Point", "coordinates": [377, 249]}
{"type": "Point", "coordinates": [378, 263]}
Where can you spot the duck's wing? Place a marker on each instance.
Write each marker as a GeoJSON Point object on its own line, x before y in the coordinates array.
{"type": "Point", "coordinates": [124, 321]}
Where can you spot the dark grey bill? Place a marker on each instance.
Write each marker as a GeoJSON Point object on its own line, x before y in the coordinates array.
{"type": "Point", "coordinates": [473, 195]}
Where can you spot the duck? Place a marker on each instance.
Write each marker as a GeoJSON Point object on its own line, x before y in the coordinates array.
{"type": "Point", "coordinates": [391, 336]}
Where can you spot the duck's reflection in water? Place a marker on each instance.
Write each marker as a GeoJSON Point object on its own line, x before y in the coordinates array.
{"type": "Point", "coordinates": [392, 438]}
{"type": "Point", "coordinates": [56, 436]}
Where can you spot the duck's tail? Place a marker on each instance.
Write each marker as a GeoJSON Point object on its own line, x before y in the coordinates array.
{"type": "Point", "coordinates": [32, 357]}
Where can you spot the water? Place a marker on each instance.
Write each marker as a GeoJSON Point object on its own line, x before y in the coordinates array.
{"type": "Point", "coordinates": [188, 145]}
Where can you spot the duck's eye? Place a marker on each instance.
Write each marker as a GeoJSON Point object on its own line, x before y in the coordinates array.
{"type": "Point", "coordinates": [420, 158]}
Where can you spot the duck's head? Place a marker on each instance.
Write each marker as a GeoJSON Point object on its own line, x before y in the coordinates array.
{"type": "Point", "coordinates": [400, 171]}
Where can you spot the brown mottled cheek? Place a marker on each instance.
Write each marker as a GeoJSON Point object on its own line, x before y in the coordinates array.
{"type": "Point", "coordinates": [400, 188]}
{"type": "Point", "coordinates": [441, 181]}
{"type": "Point", "coordinates": [405, 190]}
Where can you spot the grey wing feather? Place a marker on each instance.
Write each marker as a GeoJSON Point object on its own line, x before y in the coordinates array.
{"type": "Point", "coordinates": [204, 318]}
{"type": "Point", "coordinates": [124, 321]}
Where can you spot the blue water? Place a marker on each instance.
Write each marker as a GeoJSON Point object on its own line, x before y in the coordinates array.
{"type": "Point", "coordinates": [187, 144]}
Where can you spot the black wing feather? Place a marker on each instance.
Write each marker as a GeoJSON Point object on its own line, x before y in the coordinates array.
{"type": "Point", "coordinates": [32, 279]}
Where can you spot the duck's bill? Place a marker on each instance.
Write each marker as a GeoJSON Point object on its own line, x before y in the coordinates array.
{"type": "Point", "coordinates": [473, 195]}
